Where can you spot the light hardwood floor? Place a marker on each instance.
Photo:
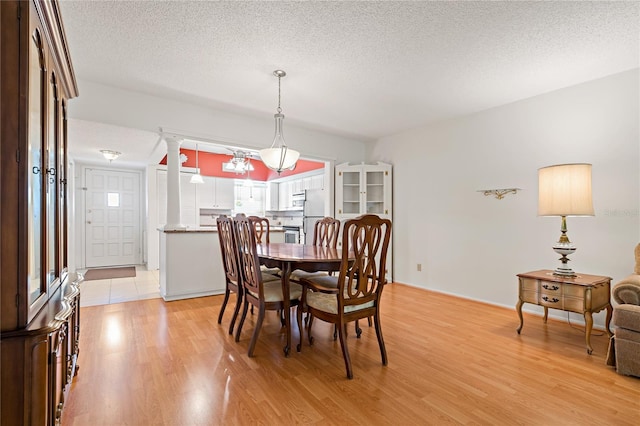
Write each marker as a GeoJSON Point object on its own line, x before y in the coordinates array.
{"type": "Point", "coordinates": [451, 361]}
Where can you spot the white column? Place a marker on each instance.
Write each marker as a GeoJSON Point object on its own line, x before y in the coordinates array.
{"type": "Point", "coordinates": [173, 183]}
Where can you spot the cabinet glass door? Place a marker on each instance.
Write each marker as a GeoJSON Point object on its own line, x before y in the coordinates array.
{"type": "Point", "coordinates": [375, 192]}
{"type": "Point", "coordinates": [51, 183]}
{"type": "Point", "coordinates": [351, 192]}
{"type": "Point", "coordinates": [35, 172]}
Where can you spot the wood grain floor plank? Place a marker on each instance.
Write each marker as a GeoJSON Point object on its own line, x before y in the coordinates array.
{"type": "Point", "coordinates": [451, 361]}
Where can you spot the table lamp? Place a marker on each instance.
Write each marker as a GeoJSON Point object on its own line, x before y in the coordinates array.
{"type": "Point", "coordinates": [565, 190]}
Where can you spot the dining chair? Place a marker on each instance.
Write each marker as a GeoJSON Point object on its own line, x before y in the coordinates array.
{"type": "Point", "coordinates": [261, 227]}
{"type": "Point", "coordinates": [359, 283]}
{"type": "Point", "coordinates": [264, 295]}
{"type": "Point", "coordinates": [325, 234]}
{"type": "Point", "coordinates": [229, 250]}
{"type": "Point", "coordinates": [262, 230]}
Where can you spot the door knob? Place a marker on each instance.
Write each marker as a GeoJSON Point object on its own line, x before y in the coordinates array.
{"type": "Point", "coordinates": [89, 222]}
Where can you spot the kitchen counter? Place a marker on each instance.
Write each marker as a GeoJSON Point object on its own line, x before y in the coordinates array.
{"type": "Point", "coordinates": [190, 263]}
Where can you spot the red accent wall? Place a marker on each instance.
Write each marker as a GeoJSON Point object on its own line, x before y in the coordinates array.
{"type": "Point", "coordinates": [211, 165]}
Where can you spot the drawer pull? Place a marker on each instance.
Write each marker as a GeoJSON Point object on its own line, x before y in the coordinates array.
{"type": "Point", "coordinates": [552, 300]}
{"type": "Point", "coordinates": [550, 287]}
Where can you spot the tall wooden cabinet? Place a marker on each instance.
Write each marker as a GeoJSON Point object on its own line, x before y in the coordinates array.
{"type": "Point", "coordinates": [39, 316]}
{"type": "Point", "coordinates": [365, 189]}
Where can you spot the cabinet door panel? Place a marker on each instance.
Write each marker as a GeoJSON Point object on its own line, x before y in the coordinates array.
{"type": "Point", "coordinates": [52, 182]}
{"type": "Point", "coordinates": [35, 172]}
{"type": "Point", "coordinates": [224, 193]}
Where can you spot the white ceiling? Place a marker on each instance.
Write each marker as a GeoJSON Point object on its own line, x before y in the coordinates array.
{"type": "Point", "coordinates": [358, 69]}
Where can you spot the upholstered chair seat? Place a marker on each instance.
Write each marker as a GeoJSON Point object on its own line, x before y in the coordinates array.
{"type": "Point", "coordinates": [624, 347]}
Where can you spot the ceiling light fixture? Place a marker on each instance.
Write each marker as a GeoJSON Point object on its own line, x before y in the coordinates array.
{"type": "Point", "coordinates": [238, 164]}
{"type": "Point", "coordinates": [110, 155]}
{"type": "Point", "coordinates": [279, 157]}
{"type": "Point", "coordinates": [197, 178]}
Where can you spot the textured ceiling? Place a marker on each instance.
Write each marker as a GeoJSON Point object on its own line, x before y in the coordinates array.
{"type": "Point", "coordinates": [360, 69]}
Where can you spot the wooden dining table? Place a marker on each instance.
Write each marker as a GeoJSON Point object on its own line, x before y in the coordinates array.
{"type": "Point", "coordinates": [289, 257]}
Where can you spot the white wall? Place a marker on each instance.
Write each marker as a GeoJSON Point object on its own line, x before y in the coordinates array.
{"type": "Point", "coordinates": [472, 245]}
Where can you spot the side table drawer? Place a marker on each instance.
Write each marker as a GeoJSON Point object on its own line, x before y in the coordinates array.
{"type": "Point", "coordinates": [550, 288]}
{"type": "Point", "coordinates": [551, 300]}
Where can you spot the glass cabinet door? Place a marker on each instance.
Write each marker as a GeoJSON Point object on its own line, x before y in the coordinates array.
{"type": "Point", "coordinates": [351, 192]}
{"type": "Point", "coordinates": [52, 183]}
{"type": "Point", "coordinates": [35, 172]}
{"type": "Point", "coordinates": [374, 192]}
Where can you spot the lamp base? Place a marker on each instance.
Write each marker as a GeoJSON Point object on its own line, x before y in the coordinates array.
{"type": "Point", "coordinates": [564, 249]}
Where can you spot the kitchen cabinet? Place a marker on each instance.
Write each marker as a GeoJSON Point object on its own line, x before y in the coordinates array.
{"type": "Point", "coordinates": [288, 190]}
{"type": "Point", "coordinates": [216, 193]}
{"type": "Point", "coordinates": [39, 297]}
{"type": "Point", "coordinates": [272, 196]}
{"type": "Point", "coordinates": [284, 196]}
{"type": "Point", "coordinates": [317, 182]}
{"type": "Point", "coordinates": [365, 189]}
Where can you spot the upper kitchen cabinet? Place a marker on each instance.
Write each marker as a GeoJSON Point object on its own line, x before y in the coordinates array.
{"type": "Point", "coordinates": [216, 193]}
{"type": "Point", "coordinates": [363, 189]}
{"type": "Point", "coordinates": [272, 196]}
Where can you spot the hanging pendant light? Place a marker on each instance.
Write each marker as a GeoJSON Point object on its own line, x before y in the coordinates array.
{"type": "Point", "coordinates": [279, 157]}
{"type": "Point", "coordinates": [197, 178]}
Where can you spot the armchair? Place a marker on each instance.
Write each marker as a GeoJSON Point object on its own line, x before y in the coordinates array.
{"type": "Point", "coordinates": [624, 347]}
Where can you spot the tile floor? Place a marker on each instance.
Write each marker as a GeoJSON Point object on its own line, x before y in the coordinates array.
{"type": "Point", "coordinates": [145, 285]}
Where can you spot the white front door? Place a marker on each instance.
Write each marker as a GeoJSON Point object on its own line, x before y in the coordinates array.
{"type": "Point", "coordinates": [112, 216]}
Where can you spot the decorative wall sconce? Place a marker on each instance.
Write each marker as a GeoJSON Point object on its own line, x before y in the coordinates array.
{"type": "Point", "coordinates": [500, 193]}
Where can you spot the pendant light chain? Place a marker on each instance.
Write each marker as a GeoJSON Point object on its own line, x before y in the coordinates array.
{"type": "Point", "coordinates": [279, 109]}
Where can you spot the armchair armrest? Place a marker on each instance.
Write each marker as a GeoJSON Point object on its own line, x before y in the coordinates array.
{"type": "Point", "coordinates": [627, 291]}
{"type": "Point", "coordinates": [328, 284]}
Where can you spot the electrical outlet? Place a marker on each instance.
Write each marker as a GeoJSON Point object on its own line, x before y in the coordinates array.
{"type": "Point", "coordinates": [419, 267]}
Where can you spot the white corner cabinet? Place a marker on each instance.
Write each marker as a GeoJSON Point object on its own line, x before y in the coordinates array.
{"type": "Point", "coordinates": [365, 189]}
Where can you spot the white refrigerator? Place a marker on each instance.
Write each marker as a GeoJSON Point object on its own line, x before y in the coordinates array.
{"type": "Point", "coordinates": [313, 210]}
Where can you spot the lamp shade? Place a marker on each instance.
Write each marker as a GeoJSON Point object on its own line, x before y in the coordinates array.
{"type": "Point", "coordinates": [280, 158]}
{"type": "Point", "coordinates": [565, 190]}
{"type": "Point", "coordinates": [197, 178]}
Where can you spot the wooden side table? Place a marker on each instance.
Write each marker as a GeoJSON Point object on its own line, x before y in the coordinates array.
{"type": "Point", "coordinates": [583, 294]}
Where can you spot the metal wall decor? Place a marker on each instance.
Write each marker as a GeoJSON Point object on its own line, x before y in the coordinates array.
{"type": "Point", "coordinates": [500, 193]}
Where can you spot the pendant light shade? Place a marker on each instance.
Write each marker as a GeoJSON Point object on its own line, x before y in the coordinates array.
{"type": "Point", "coordinates": [278, 156]}
{"type": "Point", "coordinates": [197, 178]}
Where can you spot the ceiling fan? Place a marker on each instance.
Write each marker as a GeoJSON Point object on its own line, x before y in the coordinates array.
{"type": "Point", "coordinates": [239, 163]}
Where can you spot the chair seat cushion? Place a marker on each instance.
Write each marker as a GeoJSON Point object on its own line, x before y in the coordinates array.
{"type": "Point", "coordinates": [273, 291]}
{"type": "Point", "coordinates": [272, 271]}
{"type": "Point", "coordinates": [328, 281]}
{"type": "Point", "coordinates": [329, 303]}
{"type": "Point", "coordinates": [269, 277]}
{"type": "Point", "coordinates": [299, 274]}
